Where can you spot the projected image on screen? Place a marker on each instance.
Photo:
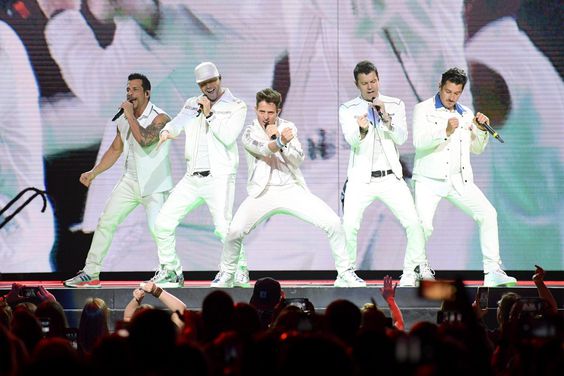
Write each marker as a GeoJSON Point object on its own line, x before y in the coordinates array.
{"type": "Point", "coordinates": [63, 75]}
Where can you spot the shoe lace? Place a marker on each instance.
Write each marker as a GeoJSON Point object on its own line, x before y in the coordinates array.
{"type": "Point", "coordinates": [351, 275]}
{"type": "Point", "coordinates": [409, 275]}
{"type": "Point", "coordinates": [160, 273]}
{"type": "Point", "coordinates": [425, 268]}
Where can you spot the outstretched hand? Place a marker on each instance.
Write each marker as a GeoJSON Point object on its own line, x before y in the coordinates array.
{"type": "Point", "coordinates": [389, 289]}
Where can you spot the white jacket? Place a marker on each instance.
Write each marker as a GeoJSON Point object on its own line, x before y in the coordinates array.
{"type": "Point", "coordinates": [256, 143]}
{"type": "Point", "coordinates": [224, 125]}
{"type": "Point", "coordinates": [152, 164]}
{"type": "Point", "coordinates": [431, 142]}
{"type": "Point", "coordinates": [360, 161]}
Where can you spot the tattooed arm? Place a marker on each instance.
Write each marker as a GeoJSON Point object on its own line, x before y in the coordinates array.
{"type": "Point", "coordinates": [148, 136]}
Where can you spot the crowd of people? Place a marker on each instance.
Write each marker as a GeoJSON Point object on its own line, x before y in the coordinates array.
{"type": "Point", "coordinates": [276, 335]}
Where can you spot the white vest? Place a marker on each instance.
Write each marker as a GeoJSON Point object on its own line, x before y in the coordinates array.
{"type": "Point", "coordinates": [152, 165]}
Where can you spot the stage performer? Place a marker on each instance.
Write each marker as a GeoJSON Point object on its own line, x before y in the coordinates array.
{"type": "Point", "coordinates": [146, 179]}
{"type": "Point", "coordinates": [444, 134]}
{"type": "Point", "coordinates": [212, 122]}
{"type": "Point", "coordinates": [276, 186]}
{"type": "Point", "coordinates": [374, 125]}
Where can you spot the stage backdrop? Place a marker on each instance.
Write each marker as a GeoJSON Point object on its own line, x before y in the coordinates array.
{"type": "Point", "coordinates": [63, 78]}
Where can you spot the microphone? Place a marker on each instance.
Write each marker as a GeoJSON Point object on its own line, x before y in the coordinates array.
{"type": "Point", "coordinates": [200, 109]}
{"type": "Point", "coordinates": [492, 131]}
{"type": "Point", "coordinates": [119, 113]}
{"type": "Point", "coordinates": [272, 137]}
{"type": "Point", "coordinates": [378, 109]}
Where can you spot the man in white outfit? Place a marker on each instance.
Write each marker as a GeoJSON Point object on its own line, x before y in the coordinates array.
{"type": "Point", "coordinates": [212, 122]}
{"type": "Point", "coordinates": [276, 186]}
{"type": "Point", "coordinates": [146, 179]}
{"type": "Point", "coordinates": [444, 134]}
{"type": "Point", "coordinates": [374, 124]}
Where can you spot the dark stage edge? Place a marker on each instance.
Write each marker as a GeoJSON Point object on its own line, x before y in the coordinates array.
{"type": "Point", "coordinates": [320, 292]}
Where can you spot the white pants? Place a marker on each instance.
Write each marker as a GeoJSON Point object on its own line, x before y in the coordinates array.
{"type": "Point", "coordinates": [125, 197]}
{"type": "Point", "coordinates": [218, 192]}
{"type": "Point", "coordinates": [395, 194]}
{"type": "Point", "coordinates": [472, 201]}
{"type": "Point", "coordinates": [289, 199]}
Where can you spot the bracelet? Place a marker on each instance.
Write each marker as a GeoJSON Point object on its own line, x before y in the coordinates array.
{"type": "Point", "coordinates": [279, 143]}
{"type": "Point", "coordinates": [156, 291]}
{"type": "Point", "coordinates": [209, 115]}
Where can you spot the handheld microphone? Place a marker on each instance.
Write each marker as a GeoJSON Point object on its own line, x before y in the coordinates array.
{"type": "Point", "coordinates": [272, 137]}
{"type": "Point", "coordinates": [492, 131]}
{"type": "Point", "coordinates": [378, 109]}
{"type": "Point", "coordinates": [119, 113]}
{"type": "Point", "coordinates": [199, 109]}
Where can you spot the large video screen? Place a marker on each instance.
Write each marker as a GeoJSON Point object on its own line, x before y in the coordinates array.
{"type": "Point", "coordinates": [63, 75]}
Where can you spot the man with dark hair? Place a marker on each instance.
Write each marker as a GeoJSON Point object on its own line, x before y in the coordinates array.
{"type": "Point", "coordinates": [374, 125]}
{"type": "Point", "coordinates": [444, 134]}
{"type": "Point", "coordinates": [146, 179]}
{"type": "Point", "coordinates": [212, 122]}
{"type": "Point", "coordinates": [276, 186]}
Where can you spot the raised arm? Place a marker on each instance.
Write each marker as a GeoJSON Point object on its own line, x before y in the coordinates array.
{"type": "Point", "coordinates": [480, 136]}
{"type": "Point", "coordinates": [388, 293]}
{"type": "Point", "coordinates": [147, 136]}
{"type": "Point", "coordinates": [292, 152]}
{"type": "Point", "coordinates": [542, 290]}
{"type": "Point", "coordinates": [134, 303]}
{"type": "Point", "coordinates": [170, 301]}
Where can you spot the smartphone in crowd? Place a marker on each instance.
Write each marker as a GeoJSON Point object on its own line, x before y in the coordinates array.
{"type": "Point", "coordinates": [482, 296]}
{"type": "Point", "coordinates": [45, 325]}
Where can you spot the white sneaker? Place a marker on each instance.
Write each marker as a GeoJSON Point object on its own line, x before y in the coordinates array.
{"type": "Point", "coordinates": [498, 278]}
{"type": "Point", "coordinates": [167, 278]}
{"type": "Point", "coordinates": [424, 271]}
{"type": "Point", "coordinates": [222, 279]}
{"type": "Point", "coordinates": [409, 279]}
{"type": "Point", "coordinates": [348, 278]}
{"type": "Point", "coordinates": [242, 278]}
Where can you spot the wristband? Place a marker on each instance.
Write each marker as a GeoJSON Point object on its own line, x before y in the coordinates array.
{"type": "Point", "coordinates": [279, 143]}
{"type": "Point", "coordinates": [156, 291]}
{"type": "Point", "coordinates": [209, 115]}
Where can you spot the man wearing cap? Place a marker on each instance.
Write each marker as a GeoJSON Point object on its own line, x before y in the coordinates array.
{"type": "Point", "coordinates": [267, 293]}
{"type": "Point", "coordinates": [277, 186]}
{"type": "Point", "coordinates": [212, 122]}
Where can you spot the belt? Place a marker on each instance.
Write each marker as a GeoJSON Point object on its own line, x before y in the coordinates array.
{"type": "Point", "coordinates": [201, 174]}
{"type": "Point", "coordinates": [381, 173]}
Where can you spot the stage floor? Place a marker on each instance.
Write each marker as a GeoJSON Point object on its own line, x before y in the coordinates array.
{"type": "Point", "coordinates": [285, 283]}
{"type": "Point", "coordinates": [117, 293]}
